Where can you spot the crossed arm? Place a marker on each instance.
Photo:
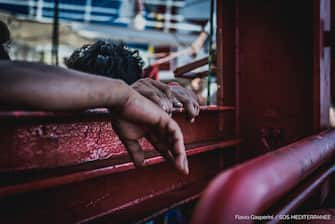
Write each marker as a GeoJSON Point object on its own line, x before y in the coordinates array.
{"type": "Point", "coordinates": [26, 85]}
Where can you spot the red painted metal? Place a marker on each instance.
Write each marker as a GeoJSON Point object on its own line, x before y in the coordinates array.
{"type": "Point", "coordinates": [71, 167]}
{"type": "Point", "coordinates": [332, 69]}
{"type": "Point", "coordinates": [219, 54]}
{"type": "Point", "coordinates": [322, 65]}
{"type": "Point", "coordinates": [45, 140]}
{"type": "Point", "coordinates": [193, 75]}
{"type": "Point", "coordinates": [189, 67]}
{"type": "Point", "coordinates": [275, 68]}
{"type": "Point", "coordinates": [39, 184]}
{"type": "Point", "coordinates": [253, 187]}
{"type": "Point", "coordinates": [303, 193]}
{"type": "Point", "coordinates": [100, 113]}
{"type": "Point", "coordinates": [117, 197]}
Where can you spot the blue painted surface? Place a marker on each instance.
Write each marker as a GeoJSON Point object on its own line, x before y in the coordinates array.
{"type": "Point", "coordinates": [102, 11]}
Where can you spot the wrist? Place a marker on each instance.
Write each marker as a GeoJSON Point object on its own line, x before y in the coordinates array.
{"type": "Point", "coordinates": [118, 93]}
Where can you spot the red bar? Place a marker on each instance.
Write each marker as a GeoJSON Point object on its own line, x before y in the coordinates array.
{"type": "Point", "coordinates": [38, 140]}
{"type": "Point", "coordinates": [86, 175]}
{"type": "Point", "coordinates": [189, 67]}
{"type": "Point", "coordinates": [71, 167]}
{"type": "Point", "coordinates": [305, 192]}
{"type": "Point", "coordinates": [253, 187]}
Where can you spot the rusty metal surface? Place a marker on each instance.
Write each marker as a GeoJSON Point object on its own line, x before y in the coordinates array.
{"type": "Point", "coordinates": [70, 167]}
{"type": "Point", "coordinates": [45, 140]}
{"type": "Point", "coordinates": [20, 184]}
{"type": "Point", "coordinates": [253, 187]}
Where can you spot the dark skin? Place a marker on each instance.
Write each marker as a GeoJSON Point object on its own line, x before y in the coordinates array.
{"type": "Point", "coordinates": [168, 97]}
{"type": "Point", "coordinates": [186, 98]}
{"type": "Point", "coordinates": [42, 87]}
{"type": "Point", "coordinates": [112, 59]}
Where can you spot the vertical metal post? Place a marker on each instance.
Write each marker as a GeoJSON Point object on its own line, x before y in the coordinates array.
{"type": "Point", "coordinates": [55, 33]}
{"type": "Point", "coordinates": [210, 55]}
{"type": "Point", "coordinates": [322, 61]}
{"type": "Point", "coordinates": [88, 9]}
{"type": "Point", "coordinates": [31, 4]}
{"type": "Point", "coordinates": [167, 16]}
{"type": "Point", "coordinates": [39, 10]}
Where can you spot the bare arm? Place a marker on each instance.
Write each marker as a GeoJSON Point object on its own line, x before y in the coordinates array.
{"type": "Point", "coordinates": [36, 86]}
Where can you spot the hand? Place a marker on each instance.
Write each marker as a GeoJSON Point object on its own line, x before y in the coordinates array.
{"type": "Point", "coordinates": [157, 92]}
{"type": "Point", "coordinates": [168, 97]}
{"type": "Point", "coordinates": [43, 87]}
{"type": "Point", "coordinates": [137, 118]}
{"type": "Point", "coordinates": [185, 98]}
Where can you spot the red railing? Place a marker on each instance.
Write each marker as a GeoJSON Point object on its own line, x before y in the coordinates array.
{"type": "Point", "coordinates": [71, 167]}
{"type": "Point", "coordinates": [257, 186]}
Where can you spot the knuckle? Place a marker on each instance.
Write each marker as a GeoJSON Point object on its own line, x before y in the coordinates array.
{"type": "Point", "coordinates": [187, 101]}
{"type": "Point", "coordinates": [168, 92]}
{"type": "Point", "coordinates": [151, 94]}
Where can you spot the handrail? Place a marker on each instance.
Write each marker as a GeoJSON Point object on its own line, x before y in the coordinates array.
{"type": "Point", "coordinates": [302, 194]}
{"type": "Point", "coordinates": [193, 75]}
{"type": "Point", "coordinates": [253, 187]}
{"type": "Point", "coordinates": [89, 174]}
{"type": "Point", "coordinates": [92, 113]}
{"type": "Point", "coordinates": [77, 158]}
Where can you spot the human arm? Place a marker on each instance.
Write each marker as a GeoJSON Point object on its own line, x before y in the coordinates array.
{"type": "Point", "coordinates": [35, 86]}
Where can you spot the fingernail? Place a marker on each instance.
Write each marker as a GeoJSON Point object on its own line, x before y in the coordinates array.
{"type": "Point", "coordinates": [186, 170]}
{"type": "Point", "coordinates": [186, 166]}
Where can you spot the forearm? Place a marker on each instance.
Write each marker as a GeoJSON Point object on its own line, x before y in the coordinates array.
{"type": "Point", "coordinates": [37, 86]}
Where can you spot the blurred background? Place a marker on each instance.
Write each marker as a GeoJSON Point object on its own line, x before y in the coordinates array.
{"type": "Point", "coordinates": [49, 30]}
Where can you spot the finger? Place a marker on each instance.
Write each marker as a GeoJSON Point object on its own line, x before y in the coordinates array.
{"type": "Point", "coordinates": [161, 102]}
{"type": "Point", "coordinates": [178, 149]}
{"type": "Point", "coordinates": [161, 148]}
{"type": "Point", "coordinates": [166, 104]}
{"type": "Point", "coordinates": [197, 108]}
{"type": "Point", "coordinates": [197, 111]}
{"type": "Point", "coordinates": [164, 101]}
{"type": "Point", "coordinates": [135, 151]}
{"type": "Point", "coordinates": [177, 103]}
{"type": "Point", "coordinates": [194, 96]}
{"type": "Point", "coordinates": [189, 107]}
{"type": "Point", "coordinates": [163, 87]}
{"type": "Point", "coordinates": [170, 106]}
